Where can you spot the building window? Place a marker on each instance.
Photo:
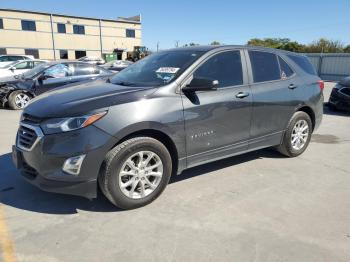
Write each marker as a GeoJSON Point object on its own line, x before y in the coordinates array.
{"type": "Point", "coordinates": [79, 54]}
{"type": "Point", "coordinates": [130, 33]}
{"type": "Point", "coordinates": [79, 29]}
{"type": "Point", "coordinates": [63, 54]}
{"type": "Point", "coordinates": [61, 28]}
{"type": "Point", "coordinates": [1, 24]}
{"type": "Point", "coordinates": [28, 25]}
{"type": "Point", "coordinates": [32, 52]}
{"type": "Point", "coordinates": [3, 51]}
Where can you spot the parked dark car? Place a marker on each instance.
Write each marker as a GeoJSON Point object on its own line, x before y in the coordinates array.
{"type": "Point", "coordinates": [18, 92]}
{"type": "Point", "coordinates": [117, 66]}
{"type": "Point", "coordinates": [340, 96]}
{"type": "Point", "coordinates": [168, 112]}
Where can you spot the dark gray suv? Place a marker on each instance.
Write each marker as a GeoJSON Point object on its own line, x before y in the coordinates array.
{"type": "Point", "coordinates": [170, 111]}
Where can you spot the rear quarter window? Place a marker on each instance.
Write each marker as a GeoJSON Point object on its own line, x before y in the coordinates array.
{"type": "Point", "coordinates": [304, 63]}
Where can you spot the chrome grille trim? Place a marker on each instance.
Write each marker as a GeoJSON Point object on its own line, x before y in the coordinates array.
{"type": "Point", "coordinates": [27, 141]}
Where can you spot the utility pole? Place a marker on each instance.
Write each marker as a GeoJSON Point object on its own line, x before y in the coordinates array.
{"type": "Point", "coordinates": [177, 43]}
{"type": "Point", "coordinates": [53, 38]}
{"type": "Point", "coordinates": [157, 46]}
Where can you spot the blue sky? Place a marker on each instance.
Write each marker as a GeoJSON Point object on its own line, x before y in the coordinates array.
{"type": "Point", "coordinates": [202, 22]}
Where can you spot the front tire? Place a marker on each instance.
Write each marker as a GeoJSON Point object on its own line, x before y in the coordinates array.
{"type": "Point", "coordinates": [135, 172]}
{"type": "Point", "coordinates": [18, 100]}
{"type": "Point", "coordinates": [297, 136]}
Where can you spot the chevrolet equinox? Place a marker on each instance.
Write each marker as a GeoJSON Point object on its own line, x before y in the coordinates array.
{"type": "Point", "coordinates": [168, 112]}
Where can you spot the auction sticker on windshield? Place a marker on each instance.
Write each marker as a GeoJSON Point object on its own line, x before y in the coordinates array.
{"type": "Point", "coordinates": [167, 73]}
{"type": "Point", "coordinates": [168, 70]}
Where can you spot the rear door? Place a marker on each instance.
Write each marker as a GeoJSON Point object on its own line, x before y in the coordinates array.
{"type": "Point", "coordinates": [273, 104]}
{"type": "Point", "coordinates": [217, 122]}
{"type": "Point", "coordinates": [22, 67]}
{"type": "Point", "coordinates": [83, 71]}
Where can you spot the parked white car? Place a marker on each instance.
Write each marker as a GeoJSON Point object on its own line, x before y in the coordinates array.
{"type": "Point", "coordinates": [19, 67]}
{"type": "Point", "coordinates": [8, 59]}
{"type": "Point", "coordinates": [92, 60]}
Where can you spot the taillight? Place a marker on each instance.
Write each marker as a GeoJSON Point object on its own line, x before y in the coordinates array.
{"type": "Point", "coordinates": [321, 84]}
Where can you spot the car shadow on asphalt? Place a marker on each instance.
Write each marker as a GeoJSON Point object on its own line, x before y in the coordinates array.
{"type": "Point", "coordinates": [17, 193]}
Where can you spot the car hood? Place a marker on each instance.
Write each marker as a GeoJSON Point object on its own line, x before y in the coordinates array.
{"type": "Point", "coordinates": [17, 81]}
{"type": "Point", "coordinates": [80, 99]}
{"type": "Point", "coordinates": [345, 81]}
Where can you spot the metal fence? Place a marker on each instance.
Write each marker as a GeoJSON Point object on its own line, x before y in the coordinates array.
{"type": "Point", "coordinates": [332, 67]}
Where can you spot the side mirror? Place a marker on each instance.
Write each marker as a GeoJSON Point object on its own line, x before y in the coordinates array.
{"type": "Point", "coordinates": [12, 69]}
{"type": "Point", "coordinates": [201, 84]}
{"type": "Point", "coordinates": [44, 76]}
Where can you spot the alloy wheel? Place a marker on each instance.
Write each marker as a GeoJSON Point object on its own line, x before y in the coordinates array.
{"type": "Point", "coordinates": [300, 134]}
{"type": "Point", "coordinates": [21, 100]}
{"type": "Point", "coordinates": [140, 174]}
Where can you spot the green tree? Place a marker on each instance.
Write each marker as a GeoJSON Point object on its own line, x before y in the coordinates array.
{"type": "Point", "coordinates": [215, 43]}
{"type": "Point", "coordinates": [347, 49]}
{"type": "Point", "coordinates": [324, 45]}
{"type": "Point", "coordinates": [278, 43]}
{"type": "Point", "coordinates": [191, 44]}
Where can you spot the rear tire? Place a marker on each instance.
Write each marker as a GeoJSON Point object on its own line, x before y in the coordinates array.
{"type": "Point", "coordinates": [297, 136]}
{"type": "Point", "coordinates": [18, 100]}
{"type": "Point", "coordinates": [135, 172]}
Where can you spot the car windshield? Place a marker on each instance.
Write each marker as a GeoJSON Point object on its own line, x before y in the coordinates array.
{"type": "Point", "coordinates": [157, 69]}
{"type": "Point", "coordinates": [36, 70]}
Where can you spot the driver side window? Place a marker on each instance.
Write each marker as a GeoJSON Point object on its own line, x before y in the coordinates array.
{"type": "Point", "coordinates": [226, 67]}
{"type": "Point", "coordinates": [58, 71]}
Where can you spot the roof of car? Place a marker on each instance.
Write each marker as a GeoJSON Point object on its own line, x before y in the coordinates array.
{"type": "Point", "coordinates": [67, 61]}
{"type": "Point", "coordinates": [206, 48]}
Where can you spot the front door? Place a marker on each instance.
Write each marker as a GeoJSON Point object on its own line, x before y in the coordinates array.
{"type": "Point", "coordinates": [217, 122]}
{"type": "Point", "coordinates": [55, 76]}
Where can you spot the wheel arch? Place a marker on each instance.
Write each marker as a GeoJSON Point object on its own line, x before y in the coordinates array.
{"type": "Point", "coordinates": [159, 135]}
{"type": "Point", "coordinates": [308, 110]}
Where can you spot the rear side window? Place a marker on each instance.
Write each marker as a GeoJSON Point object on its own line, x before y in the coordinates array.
{"type": "Point", "coordinates": [286, 71]}
{"type": "Point", "coordinates": [265, 66]}
{"type": "Point", "coordinates": [225, 67]}
{"type": "Point", "coordinates": [83, 69]}
{"type": "Point", "coordinates": [304, 63]}
{"type": "Point", "coordinates": [24, 65]}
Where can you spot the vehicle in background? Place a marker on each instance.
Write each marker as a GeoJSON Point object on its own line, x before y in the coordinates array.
{"type": "Point", "coordinates": [15, 69]}
{"type": "Point", "coordinates": [340, 96]}
{"type": "Point", "coordinates": [92, 60]}
{"type": "Point", "coordinates": [117, 65]}
{"type": "Point", "coordinates": [170, 111]}
{"type": "Point", "coordinates": [45, 77]}
{"type": "Point", "coordinates": [138, 53]}
{"type": "Point", "coordinates": [8, 59]}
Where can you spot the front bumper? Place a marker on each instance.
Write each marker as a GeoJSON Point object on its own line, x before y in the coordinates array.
{"type": "Point", "coordinates": [3, 95]}
{"type": "Point", "coordinates": [42, 164]}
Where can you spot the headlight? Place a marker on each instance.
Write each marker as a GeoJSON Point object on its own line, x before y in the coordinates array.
{"type": "Point", "coordinates": [57, 125]}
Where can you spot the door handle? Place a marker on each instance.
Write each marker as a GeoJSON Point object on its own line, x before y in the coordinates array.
{"type": "Point", "coordinates": [242, 95]}
{"type": "Point", "coordinates": [292, 86]}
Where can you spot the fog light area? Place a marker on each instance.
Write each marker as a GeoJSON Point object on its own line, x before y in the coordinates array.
{"type": "Point", "coordinates": [72, 165]}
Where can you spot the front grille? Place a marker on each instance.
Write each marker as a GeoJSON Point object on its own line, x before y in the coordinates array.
{"type": "Point", "coordinates": [28, 171]}
{"type": "Point", "coordinates": [27, 136]}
